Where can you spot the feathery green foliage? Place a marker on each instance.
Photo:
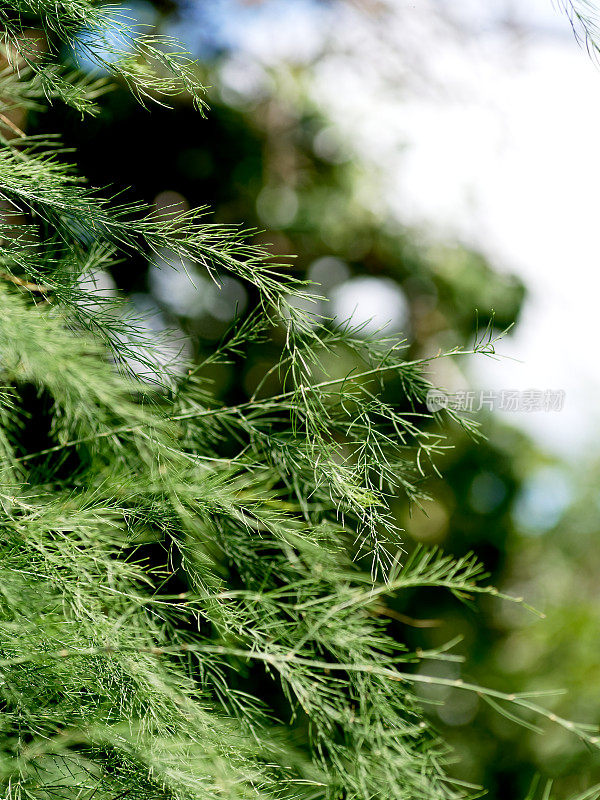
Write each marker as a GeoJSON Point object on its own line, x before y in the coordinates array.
{"type": "Point", "coordinates": [585, 22]}
{"type": "Point", "coordinates": [191, 593]}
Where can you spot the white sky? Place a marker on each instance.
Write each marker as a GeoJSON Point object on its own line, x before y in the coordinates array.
{"type": "Point", "coordinates": [513, 167]}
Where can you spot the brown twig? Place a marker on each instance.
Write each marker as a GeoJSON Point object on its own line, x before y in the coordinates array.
{"type": "Point", "coordinates": [14, 128]}
{"type": "Point", "coordinates": [32, 287]}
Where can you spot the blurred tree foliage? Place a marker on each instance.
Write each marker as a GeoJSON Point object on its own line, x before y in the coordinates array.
{"type": "Point", "coordinates": [276, 162]}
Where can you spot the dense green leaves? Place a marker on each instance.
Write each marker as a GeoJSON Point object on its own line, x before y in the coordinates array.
{"type": "Point", "coordinates": [191, 593]}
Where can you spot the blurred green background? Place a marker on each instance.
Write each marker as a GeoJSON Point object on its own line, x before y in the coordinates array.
{"type": "Point", "coordinates": [268, 156]}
